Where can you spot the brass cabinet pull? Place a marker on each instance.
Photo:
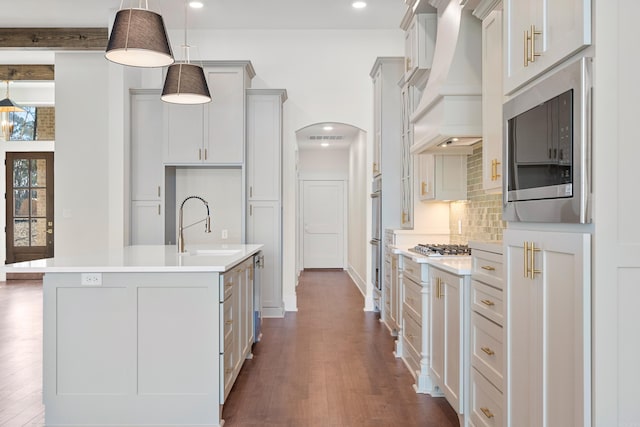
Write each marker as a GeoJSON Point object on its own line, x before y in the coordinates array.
{"type": "Point", "coordinates": [408, 64]}
{"type": "Point", "coordinates": [205, 154]}
{"type": "Point", "coordinates": [488, 268]}
{"type": "Point", "coordinates": [526, 48]}
{"type": "Point", "coordinates": [404, 217]}
{"type": "Point", "coordinates": [487, 413]}
{"type": "Point", "coordinates": [158, 191]}
{"type": "Point", "coordinates": [228, 371]}
{"type": "Point", "coordinates": [487, 302]}
{"type": "Point", "coordinates": [158, 209]}
{"type": "Point", "coordinates": [228, 322]}
{"type": "Point", "coordinates": [423, 189]}
{"type": "Point", "coordinates": [488, 351]}
{"type": "Point", "coordinates": [375, 167]}
{"type": "Point", "coordinates": [533, 53]}
{"type": "Point", "coordinates": [199, 153]}
{"type": "Point", "coordinates": [533, 250]}
{"type": "Point", "coordinates": [525, 250]}
{"type": "Point", "coordinates": [251, 191]}
{"type": "Point", "coordinates": [494, 170]}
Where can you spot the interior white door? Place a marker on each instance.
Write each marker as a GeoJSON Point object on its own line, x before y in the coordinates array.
{"type": "Point", "coordinates": [323, 213]}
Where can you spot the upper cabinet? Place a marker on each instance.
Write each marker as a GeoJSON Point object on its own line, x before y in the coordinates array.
{"type": "Point", "coordinates": [492, 102]}
{"type": "Point", "coordinates": [541, 33]}
{"type": "Point", "coordinates": [443, 177]}
{"type": "Point", "coordinates": [264, 143]}
{"type": "Point", "coordinates": [410, 98]}
{"type": "Point", "coordinates": [419, 45]}
{"type": "Point", "coordinates": [212, 133]}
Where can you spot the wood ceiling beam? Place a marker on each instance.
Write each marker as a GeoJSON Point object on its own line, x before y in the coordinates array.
{"type": "Point", "coordinates": [54, 38]}
{"type": "Point", "coordinates": [26, 72]}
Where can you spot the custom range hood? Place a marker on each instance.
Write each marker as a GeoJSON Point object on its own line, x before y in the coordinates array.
{"type": "Point", "coordinates": [449, 116]}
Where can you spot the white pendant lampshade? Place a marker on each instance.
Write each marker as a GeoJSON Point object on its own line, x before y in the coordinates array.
{"type": "Point", "coordinates": [185, 84]}
{"type": "Point", "coordinates": [139, 38]}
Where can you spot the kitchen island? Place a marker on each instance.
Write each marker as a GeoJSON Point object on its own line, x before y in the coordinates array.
{"type": "Point", "coordinates": [143, 335]}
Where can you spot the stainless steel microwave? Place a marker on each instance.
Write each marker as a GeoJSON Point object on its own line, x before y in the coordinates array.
{"type": "Point", "coordinates": [547, 149]}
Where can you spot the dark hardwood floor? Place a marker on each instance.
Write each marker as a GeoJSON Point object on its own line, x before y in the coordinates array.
{"type": "Point", "coordinates": [330, 364]}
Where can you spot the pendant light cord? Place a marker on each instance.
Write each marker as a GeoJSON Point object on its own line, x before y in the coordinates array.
{"type": "Point", "coordinates": [186, 46]}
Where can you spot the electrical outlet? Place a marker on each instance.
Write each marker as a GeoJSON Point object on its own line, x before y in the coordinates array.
{"type": "Point", "coordinates": [91, 279]}
{"type": "Point", "coordinates": [225, 234]}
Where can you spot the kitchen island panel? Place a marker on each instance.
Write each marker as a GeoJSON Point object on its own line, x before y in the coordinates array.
{"type": "Point", "coordinates": [140, 349]}
{"type": "Point", "coordinates": [90, 342]}
{"type": "Point", "coordinates": [174, 345]}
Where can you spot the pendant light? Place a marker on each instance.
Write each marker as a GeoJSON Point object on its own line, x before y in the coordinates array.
{"type": "Point", "coordinates": [8, 106]}
{"type": "Point", "coordinates": [139, 38]}
{"type": "Point", "coordinates": [185, 82]}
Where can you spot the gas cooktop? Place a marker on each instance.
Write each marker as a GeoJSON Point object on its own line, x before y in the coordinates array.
{"type": "Point", "coordinates": [428, 249]}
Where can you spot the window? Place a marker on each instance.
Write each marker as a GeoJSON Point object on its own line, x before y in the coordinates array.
{"type": "Point", "coordinates": [24, 124]}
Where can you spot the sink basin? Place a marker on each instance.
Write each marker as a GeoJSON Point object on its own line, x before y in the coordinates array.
{"type": "Point", "coordinates": [215, 252]}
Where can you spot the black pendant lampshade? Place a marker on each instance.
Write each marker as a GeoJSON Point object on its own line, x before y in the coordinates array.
{"type": "Point", "coordinates": [185, 84]}
{"type": "Point", "coordinates": [139, 38]}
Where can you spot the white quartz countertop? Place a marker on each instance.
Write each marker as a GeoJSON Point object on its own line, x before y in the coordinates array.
{"type": "Point", "coordinates": [143, 259]}
{"type": "Point", "coordinates": [460, 265]}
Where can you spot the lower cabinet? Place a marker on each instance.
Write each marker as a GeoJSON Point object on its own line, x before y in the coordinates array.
{"type": "Point", "coordinates": [236, 323]}
{"type": "Point", "coordinates": [413, 340]}
{"type": "Point", "coordinates": [487, 349]}
{"type": "Point", "coordinates": [449, 329]}
{"type": "Point", "coordinates": [548, 328]}
{"type": "Point", "coordinates": [264, 226]}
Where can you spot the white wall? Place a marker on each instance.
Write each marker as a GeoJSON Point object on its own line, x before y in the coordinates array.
{"type": "Point", "coordinates": [359, 213]}
{"type": "Point", "coordinates": [323, 164]}
{"type": "Point", "coordinates": [82, 170]}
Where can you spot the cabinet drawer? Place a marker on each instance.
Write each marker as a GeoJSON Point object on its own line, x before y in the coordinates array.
{"type": "Point", "coordinates": [412, 298]}
{"type": "Point", "coordinates": [487, 267]}
{"type": "Point", "coordinates": [487, 301]}
{"type": "Point", "coordinates": [416, 271]}
{"type": "Point", "coordinates": [226, 286]}
{"type": "Point", "coordinates": [412, 337]}
{"type": "Point", "coordinates": [487, 349]}
{"type": "Point", "coordinates": [227, 325]}
{"type": "Point", "coordinates": [485, 402]}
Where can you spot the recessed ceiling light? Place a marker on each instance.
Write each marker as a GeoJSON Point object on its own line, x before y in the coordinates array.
{"type": "Point", "coordinates": [327, 127]}
{"type": "Point", "coordinates": [325, 144]}
{"type": "Point", "coordinates": [359, 4]}
{"type": "Point", "coordinates": [196, 4]}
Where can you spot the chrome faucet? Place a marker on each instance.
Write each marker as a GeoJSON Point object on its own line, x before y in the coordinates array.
{"type": "Point", "coordinates": [207, 222]}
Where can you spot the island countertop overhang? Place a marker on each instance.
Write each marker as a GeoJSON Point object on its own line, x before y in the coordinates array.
{"type": "Point", "coordinates": [144, 259]}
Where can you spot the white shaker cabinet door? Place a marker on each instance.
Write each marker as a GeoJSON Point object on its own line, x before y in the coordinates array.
{"type": "Point", "coordinates": [147, 223]}
{"type": "Point", "coordinates": [264, 144]}
{"type": "Point", "coordinates": [541, 33]}
{"type": "Point", "coordinates": [225, 115]}
{"type": "Point", "coordinates": [548, 326]}
{"type": "Point", "coordinates": [184, 133]}
{"type": "Point", "coordinates": [146, 145]}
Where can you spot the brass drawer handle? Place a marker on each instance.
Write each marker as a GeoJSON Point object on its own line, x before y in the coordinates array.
{"type": "Point", "coordinates": [228, 371]}
{"type": "Point", "coordinates": [228, 322]}
{"type": "Point", "coordinates": [488, 268]}
{"type": "Point", "coordinates": [488, 351]}
{"type": "Point", "coordinates": [487, 413]}
{"type": "Point", "coordinates": [487, 302]}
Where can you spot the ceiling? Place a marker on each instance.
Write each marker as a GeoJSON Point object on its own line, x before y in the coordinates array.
{"type": "Point", "coordinates": [216, 14]}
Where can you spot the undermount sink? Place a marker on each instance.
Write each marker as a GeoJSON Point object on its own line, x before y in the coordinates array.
{"type": "Point", "coordinates": [215, 252]}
